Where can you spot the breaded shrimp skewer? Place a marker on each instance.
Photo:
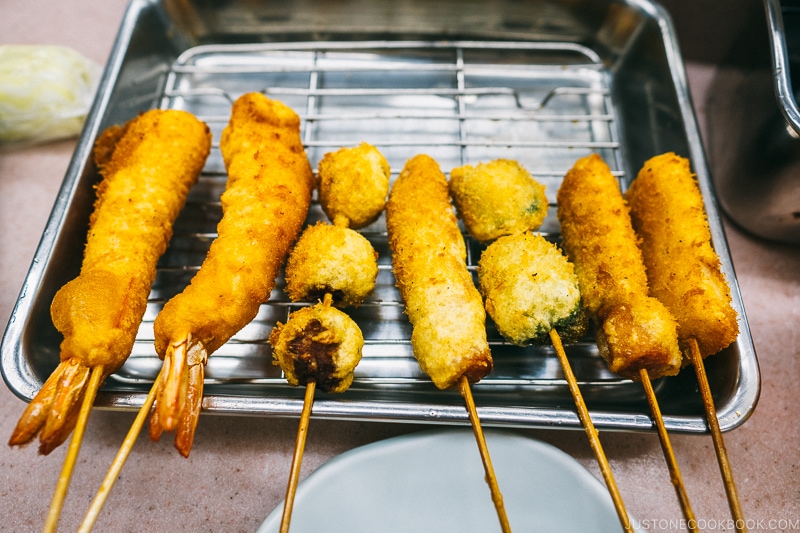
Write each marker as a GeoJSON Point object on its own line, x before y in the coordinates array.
{"type": "Point", "coordinates": [636, 334]}
{"type": "Point", "coordinates": [684, 272]}
{"type": "Point", "coordinates": [264, 205]}
{"type": "Point", "coordinates": [442, 302]}
{"type": "Point", "coordinates": [148, 166]}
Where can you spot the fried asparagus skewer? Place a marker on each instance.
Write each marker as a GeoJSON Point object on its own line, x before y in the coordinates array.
{"type": "Point", "coordinates": [442, 303]}
{"type": "Point", "coordinates": [684, 272]}
{"type": "Point", "coordinates": [320, 344]}
{"type": "Point", "coordinates": [148, 166]}
{"type": "Point", "coordinates": [636, 334]}
{"type": "Point", "coordinates": [264, 206]}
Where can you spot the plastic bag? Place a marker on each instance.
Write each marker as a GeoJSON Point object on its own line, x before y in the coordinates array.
{"type": "Point", "coordinates": [45, 93]}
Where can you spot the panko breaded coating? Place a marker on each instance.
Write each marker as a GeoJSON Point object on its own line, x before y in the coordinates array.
{"type": "Point", "coordinates": [682, 267]}
{"type": "Point", "coordinates": [331, 259]}
{"type": "Point", "coordinates": [148, 166]}
{"type": "Point", "coordinates": [318, 343]}
{"type": "Point", "coordinates": [429, 260]}
{"type": "Point", "coordinates": [353, 184]}
{"type": "Point", "coordinates": [264, 206]}
{"type": "Point", "coordinates": [530, 288]}
{"type": "Point", "coordinates": [497, 198]}
{"type": "Point", "coordinates": [634, 330]}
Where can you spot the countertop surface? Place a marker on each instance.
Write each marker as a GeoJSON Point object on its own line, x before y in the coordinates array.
{"type": "Point", "coordinates": [238, 468]}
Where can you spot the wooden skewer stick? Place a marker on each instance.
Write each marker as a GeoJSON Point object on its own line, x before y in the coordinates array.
{"type": "Point", "coordinates": [119, 460]}
{"type": "Point", "coordinates": [591, 432]}
{"type": "Point", "coordinates": [716, 435]}
{"type": "Point", "coordinates": [297, 459]}
{"type": "Point", "coordinates": [300, 444]}
{"type": "Point", "coordinates": [491, 479]}
{"type": "Point", "coordinates": [74, 449]}
{"type": "Point", "coordinates": [672, 463]}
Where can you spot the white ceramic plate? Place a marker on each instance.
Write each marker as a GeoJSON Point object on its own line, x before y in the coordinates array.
{"type": "Point", "coordinates": [434, 481]}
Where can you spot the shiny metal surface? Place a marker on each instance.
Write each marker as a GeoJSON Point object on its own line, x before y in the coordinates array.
{"type": "Point", "coordinates": [462, 85]}
{"type": "Point", "coordinates": [753, 124]}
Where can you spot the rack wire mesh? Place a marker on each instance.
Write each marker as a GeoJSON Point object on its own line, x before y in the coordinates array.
{"type": "Point", "coordinates": [542, 104]}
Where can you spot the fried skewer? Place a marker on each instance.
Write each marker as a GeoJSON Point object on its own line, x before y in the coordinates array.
{"type": "Point", "coordinates": [531, 292]}
{"type": "Point", "coordinates": [442, 303]}
{"type": "Point", "coordinates": [320, 345]}
{"type": "Point", "coordinates": [529, 288]}
{"type": "Point", "coordinates": [264, 206]}
{"type": "Point", "coordinates": [148, 166]}
{"type": "Point", "coordinates": [636, 334]}
{"type": "Point", "coordinates": [684, 272]}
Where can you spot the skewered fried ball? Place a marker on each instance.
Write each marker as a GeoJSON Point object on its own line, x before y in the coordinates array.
{"type": "Point", "coordinates": [497, 198]}
{"type": "Point", "coordinates": [529, 288]}
{"type": "Point", "coordinates": [318, 343]}
{"type": "Point", "coordinates": [330, 259]}
{"type": "Point", "coordinates": [353, 184]}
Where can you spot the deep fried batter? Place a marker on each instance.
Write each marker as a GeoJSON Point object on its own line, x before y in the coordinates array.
{"type": "Point", "coordinates": [682, 267]}
{"type": "Point", "coordinates": [353, 183]}
{"type": "Point", "coordinates": [320, 344]}
{"type": "Point", "coordinates": [530, 288]}
{"type": "Point", "coordinates": [428, 255]}
{"type": "Point", "coordinates": [497, 198]}
{"type": "Point", "coordinates": [330, 259]}
{"type": "Point", "coordinates": [148, 166]}
{"type": "Point", "coordinates": [264, 206]}
{"type": "Point", "coordinates": [634, 331]}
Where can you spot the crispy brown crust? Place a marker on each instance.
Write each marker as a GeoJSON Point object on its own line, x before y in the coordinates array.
{"type": "Point", "coordinates": [330, 259]}
{"type": "Point", "coordinates": [264, 207]}
{"type": "Point", "coordinates": [428, 256]}
{"type": "Point", "coordinates": [634, 330]}
{"type": "Point", "coordinates": [148, 167]}
{"type": "Point", "coordinates": [683, 269]}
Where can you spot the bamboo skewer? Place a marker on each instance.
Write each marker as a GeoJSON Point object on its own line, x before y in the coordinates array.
{"type": "Point", "coordinates": [297, 458]}
{"type": "Point", "coordinates": [716, 436]}
{"type": "Point", "coordinates": [119, 461]}
{"type": "Point", "coordinates": [669, 455]}
{"type": "Point", "coordinates": [62, 486]}
{"type": "Point", "coordinates": [591, 432]}
{"type": "Point", "coordinates": [491, 479]}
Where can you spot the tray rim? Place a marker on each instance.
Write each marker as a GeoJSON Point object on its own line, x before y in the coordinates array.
{"type": "Point", "coordinates": [20, 379]}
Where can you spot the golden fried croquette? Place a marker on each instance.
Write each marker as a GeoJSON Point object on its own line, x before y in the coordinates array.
{"type": "Point", "coordinates": [497, 198]}
{"type": "Point", "coordinates": [428, 255]}
{"type": "Point", "coordinates": [530, 288]}
{"type": "Point", "coordinates": [331, 259]}
{"type": "Point", "coordinates": [318, 343]}
{"type": "Point", "coordinates": [353, 184]}
{"type": "Point", "coordinates": [683, 269]}
{"type": "Point", "coordinates": [635, 331]}
{"type": "Point", "coordinates": [148, 166]}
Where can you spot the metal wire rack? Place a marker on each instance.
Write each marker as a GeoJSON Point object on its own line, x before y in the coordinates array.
{"type": "Point", "coordinates": [542, 104]}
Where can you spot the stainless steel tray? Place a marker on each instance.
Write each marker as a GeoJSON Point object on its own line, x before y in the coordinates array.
{"type": "Point", "coordinates": [541, 82]}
